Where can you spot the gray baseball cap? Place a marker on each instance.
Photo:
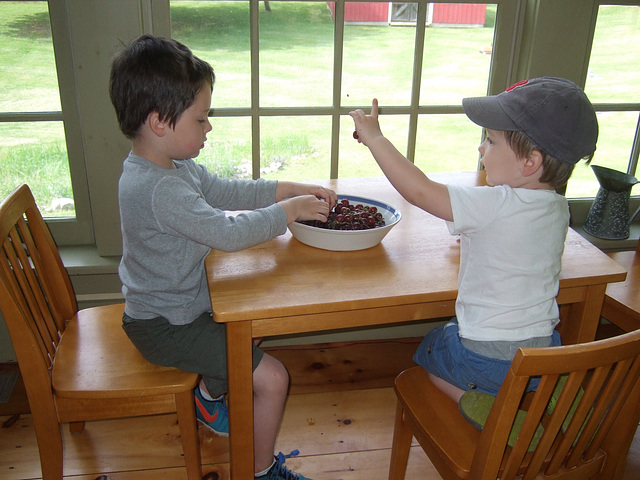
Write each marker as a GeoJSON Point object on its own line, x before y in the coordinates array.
{"type": "Point", "coordinates": [554, 113]}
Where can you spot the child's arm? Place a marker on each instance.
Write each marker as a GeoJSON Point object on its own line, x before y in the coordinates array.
{"type": "Point", "coordinates": [408, 180]}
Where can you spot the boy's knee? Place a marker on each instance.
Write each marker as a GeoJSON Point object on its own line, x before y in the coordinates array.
{"type": "Point", "coordinates": [271, 375]}
{"type": "Point", "coordinates": [280, 377]}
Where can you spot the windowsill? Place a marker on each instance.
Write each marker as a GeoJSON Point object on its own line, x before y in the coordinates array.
{"type": "Point", "coordinates": [84, 260]}
{"type": "Point", "coordinates": [612, 245]}
{"type": "Point", "coordinates": [579, 211]}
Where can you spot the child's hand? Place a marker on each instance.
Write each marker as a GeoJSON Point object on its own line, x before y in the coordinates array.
{"type": "Point", "coordinates": [293, 189]}
{"type": "Point", "coordinates": [305, 207]}
{"type": "Point", "coordinates": [367, 126]}
{"type": "Point", "coordinates": [325, 194]}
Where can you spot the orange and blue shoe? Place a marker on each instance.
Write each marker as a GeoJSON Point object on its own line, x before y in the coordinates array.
{"type": "Point", "coordinates": [212, 413]}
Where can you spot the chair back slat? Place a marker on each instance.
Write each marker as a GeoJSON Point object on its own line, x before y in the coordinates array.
{"type": "Point", "coordinates": [629, 382]}
{"type": "Point", "coordinates": [607, 388]}
{"type": "Point", "coordinates": [555, 422]}
{"type": "Point", "coordinates": [536, 409]}
{"type": "Point", "coordinates": [497, 427]}
{"type": "Point", "coordinates": [583, 411]}
{"type": "Point", "coordinates": [44, 292]}
{"type": "Point", "coordinates": [30, 292]}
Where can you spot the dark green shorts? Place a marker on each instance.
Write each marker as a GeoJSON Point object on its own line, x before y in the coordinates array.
{"type": "Point", "coordinates": [199, 347]}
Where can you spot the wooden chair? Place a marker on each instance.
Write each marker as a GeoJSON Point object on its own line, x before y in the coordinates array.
{"type": "Point", "coordinates": [622, 300]}
{"type": "Point", "coordinates": [76, 365]}
{"type": "Point", "coordinates": [603, 374]}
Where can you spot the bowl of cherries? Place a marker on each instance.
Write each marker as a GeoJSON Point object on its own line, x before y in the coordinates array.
{"type": "Point", "coordinates": [355, 223]}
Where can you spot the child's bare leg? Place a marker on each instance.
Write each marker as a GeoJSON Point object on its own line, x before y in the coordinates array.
{"type": "Point", "coordinates": [449, 390]}
{"type": "Point", "coordinates": [270, 386]}
{"type": "Point", "coordinates": [203, 388]}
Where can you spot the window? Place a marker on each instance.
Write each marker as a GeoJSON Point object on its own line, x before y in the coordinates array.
{"type": "Point", "coordinates": [287, 79]}
{"type": "Point", "coordinates": [33, 129]}
{"type": "Point", "coordinates": [314, 61]}
{"type": "Point", "coordinates": [288, 75]}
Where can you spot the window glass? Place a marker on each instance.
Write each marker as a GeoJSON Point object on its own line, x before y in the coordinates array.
{"type": "Point", "coordinates": [377, 58]}
{"type": "Point", "coordinates": [32, 149]}
{"type": "Point", "coordinates": [447, 143]}
{"type": "Point", "coordinates": [296, 54]}
{"type": "Point", "coordinates": [219, 33]}
{"type": "Point", "coordinates": [614, 66]}
{"type": "Point", "coordinates": [355, 158]}
{"type": "Point", "coordinates": [613, 78]}
{"type": "Point", "coordinates": [35, 153]}
{"type": "Point", "coordinates": [227, 150]}
{"type": "Point", "coordinates": [295, 148]}
{"type": "Point", "coordinates": [457, 52]}
{"type": "Point", "coordinates": [29, 81]}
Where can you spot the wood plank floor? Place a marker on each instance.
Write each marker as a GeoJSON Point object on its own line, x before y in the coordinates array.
{"type": "Point", "coordinates": [339, 416]}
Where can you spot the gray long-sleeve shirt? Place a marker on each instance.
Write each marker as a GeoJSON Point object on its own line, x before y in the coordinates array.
{"type": "Point", "coordinates": [170, 221]}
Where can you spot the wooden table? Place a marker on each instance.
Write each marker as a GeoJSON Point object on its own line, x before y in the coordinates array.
{"type": "Point", "coordinates": [286, 287]}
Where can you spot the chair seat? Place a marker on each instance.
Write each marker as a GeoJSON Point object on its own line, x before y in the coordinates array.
{"type": "Point", "coordinates": [622, 301]}
{"type": "Point", "coordinates": [95, 359]}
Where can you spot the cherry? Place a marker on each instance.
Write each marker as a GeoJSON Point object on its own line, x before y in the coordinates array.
{"type": "Point", "coordinates": [349, 217]}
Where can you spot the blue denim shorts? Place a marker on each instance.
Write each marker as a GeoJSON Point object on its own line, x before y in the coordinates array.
{"type": "Point", "coordinates": [442, 354]}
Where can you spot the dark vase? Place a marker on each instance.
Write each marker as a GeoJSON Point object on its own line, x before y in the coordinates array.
{"type": "Point", "coordinates": [609, 216]}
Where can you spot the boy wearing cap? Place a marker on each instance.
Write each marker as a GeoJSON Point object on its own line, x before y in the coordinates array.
{"type": "Point", "coordinates": [512, 232]}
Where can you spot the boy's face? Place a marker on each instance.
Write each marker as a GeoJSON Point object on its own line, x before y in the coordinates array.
{"type": "Point", "coordinates": [501, 164]}
{"type": "Point", "coordinates": [190, 132]}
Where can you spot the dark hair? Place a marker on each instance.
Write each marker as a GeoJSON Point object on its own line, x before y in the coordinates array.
{"type": "Point", "coordinates": [554, 172]}
{"type": "Point", "coordinates": [155, 74]}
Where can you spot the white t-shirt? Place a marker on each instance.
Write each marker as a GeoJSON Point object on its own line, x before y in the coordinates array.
{"type": "Point", "coordinates": [511, 244]}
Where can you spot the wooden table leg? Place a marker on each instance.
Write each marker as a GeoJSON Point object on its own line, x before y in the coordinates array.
{"type": "Point", "coordinates": [240, 371]}
{"type": "Point", "coordinates": [579, 321]}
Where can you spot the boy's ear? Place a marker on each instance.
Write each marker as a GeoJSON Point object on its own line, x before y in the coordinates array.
{"type": "Point", "coordinates": [157, 125]}
{"type": "Point", "coordinates": [532, 163]}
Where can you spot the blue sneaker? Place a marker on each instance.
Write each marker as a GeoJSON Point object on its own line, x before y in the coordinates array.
{"type": "Point", "coordinates": [212, 413]}
{"type": "Point", "coordinates": [279, 472]}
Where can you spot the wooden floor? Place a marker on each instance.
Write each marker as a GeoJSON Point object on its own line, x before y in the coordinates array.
{"type": "Point", "coordinates": [339, 416]}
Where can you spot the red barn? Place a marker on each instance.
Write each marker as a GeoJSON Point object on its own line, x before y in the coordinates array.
{"type": "Point", "coordinates": [466, 14]}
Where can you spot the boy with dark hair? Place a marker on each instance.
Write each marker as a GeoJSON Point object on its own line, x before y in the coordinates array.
{"type": "Point", "coordinates": [173, 213]}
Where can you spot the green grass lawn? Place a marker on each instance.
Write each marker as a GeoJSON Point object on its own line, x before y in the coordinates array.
{"type": "Point", "coordinates": [296, 68]}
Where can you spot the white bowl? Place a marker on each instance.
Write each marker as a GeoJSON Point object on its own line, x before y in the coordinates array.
{"type": "Point", "coordinates": [348, 240]}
